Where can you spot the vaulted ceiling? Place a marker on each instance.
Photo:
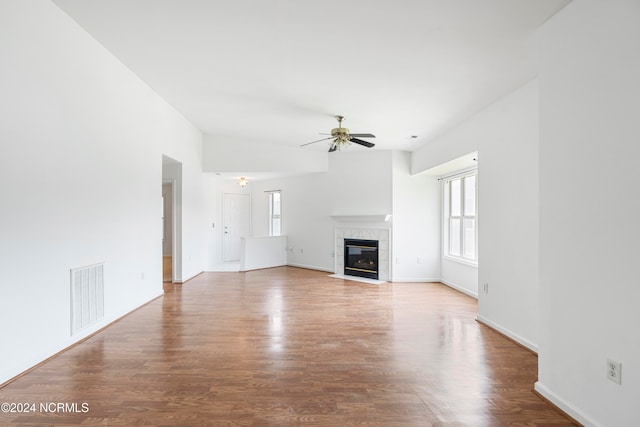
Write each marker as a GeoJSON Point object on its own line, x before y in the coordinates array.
{"type": "Point", "coordinates": [278, 71]}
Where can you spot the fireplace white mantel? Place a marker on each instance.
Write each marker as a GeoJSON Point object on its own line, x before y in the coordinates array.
{"type": "Point", "coordinates": [362, 218]}
{"type": "Point", "coordinates": [382, 235]}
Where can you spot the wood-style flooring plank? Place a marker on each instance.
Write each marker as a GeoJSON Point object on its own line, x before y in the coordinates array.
{"type": "Point", "coordinates": [289, 346]}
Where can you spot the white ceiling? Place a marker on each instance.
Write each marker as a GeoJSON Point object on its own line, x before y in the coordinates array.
{"type": "Point", "coordinates": [277, 71]}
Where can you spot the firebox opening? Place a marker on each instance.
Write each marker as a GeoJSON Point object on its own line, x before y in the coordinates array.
{"type": "Point", "coordinates": [361, 258]}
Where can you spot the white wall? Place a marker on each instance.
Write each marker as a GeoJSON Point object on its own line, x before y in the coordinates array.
{"type": "Point", "coordinates": [508, 216]}
{"type": "Point", "coordinates": [305, 218]}
{"type": "Point", "coordinates": [213, 221]}
{"type": "Point", "coordinates": [81, 141]}
{"type": "Point", "coordinates": [416, 223]}
{"type": "Point", "coordinates": [262, 252]}
{"type": "Point", "coordinates": [357, 182]}
{"type": "Point", "coordinates": [505, 135]}
{"type": "Point", "coordinates": [223, 154]}
{"type": "Point", "coordinates": [589, 198]}
{"type": "Point", "coordinates": [460, 276]}
{"type": "Point", "coordinates": [194, 211]}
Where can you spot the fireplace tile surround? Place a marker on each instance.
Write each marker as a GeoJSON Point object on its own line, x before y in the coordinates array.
{"type": "Point", "coordinates": [382, 235]}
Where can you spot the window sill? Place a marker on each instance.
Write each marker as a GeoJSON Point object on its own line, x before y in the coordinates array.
{"type": "Point", "coordinates": [462, 261]}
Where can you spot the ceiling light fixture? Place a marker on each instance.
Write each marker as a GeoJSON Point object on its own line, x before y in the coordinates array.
{"type": "Point", "coordinates": [243, 181]}
{"type": "Point", "coordinates": [341, 137]}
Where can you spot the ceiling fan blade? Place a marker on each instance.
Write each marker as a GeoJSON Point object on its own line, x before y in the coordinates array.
{"type": "Point", "coordinates": [361, 142]}
{"type": "Point", "coordinates": [362, 135]}
{"type": "Point", "coordinates": [333, 148]}
{"type": "Point", "coordinates": [313, 142]}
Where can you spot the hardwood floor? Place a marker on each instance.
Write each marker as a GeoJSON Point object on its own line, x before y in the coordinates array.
{"type": "Point", "coordinates": [167, 268]}
{"type": "Point", "coordinates": [288, 346]}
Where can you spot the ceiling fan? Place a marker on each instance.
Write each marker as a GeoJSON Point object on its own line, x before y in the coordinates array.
{"type": "Point", "coordinates": [341, 137]}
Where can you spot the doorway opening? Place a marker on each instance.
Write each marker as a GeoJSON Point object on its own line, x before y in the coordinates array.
{"type": "Point", "coordinates": [171, 221]}
{"type": "Point", "coordinates": [167, 232]}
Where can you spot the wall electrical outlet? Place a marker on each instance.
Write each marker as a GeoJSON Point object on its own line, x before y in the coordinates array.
{"type": "Point", "coordinates": [614, 371]}
{"type": "Point", "coordinates": [485, 288]}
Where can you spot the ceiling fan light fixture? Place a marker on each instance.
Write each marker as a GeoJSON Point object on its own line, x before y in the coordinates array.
{"type": "Point", "coordinates": [341, 138]}
{"type": "Point", "coordinates": [341, 143]}
{"type": "Point", "coordinates": [340, 134]}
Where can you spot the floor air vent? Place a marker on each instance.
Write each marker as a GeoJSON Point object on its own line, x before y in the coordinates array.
{"type": "Point", "coordinates": [87, 296]}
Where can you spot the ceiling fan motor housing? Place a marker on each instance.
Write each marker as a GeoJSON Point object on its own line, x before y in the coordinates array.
{"type": "Point", "coordinates": [344, 132]}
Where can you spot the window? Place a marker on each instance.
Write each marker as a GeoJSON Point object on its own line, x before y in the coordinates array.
{"type": "Point", "coordinates": [461, 234]}
{"type": "Point", "coordinates": [275, 220]}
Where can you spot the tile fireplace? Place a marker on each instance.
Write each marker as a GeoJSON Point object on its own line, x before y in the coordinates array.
{"type": "Point", "coordinates": [380, 238]}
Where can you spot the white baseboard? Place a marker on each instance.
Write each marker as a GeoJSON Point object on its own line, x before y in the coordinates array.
{"type": "Point", "coordinates": [517, 338]}
{"type": "Point", "coordinates": [416, 280]}
{"type": "Point", "coordinates": [226, 267]}
{"type": "Point", "coordinates": [567, 408]}
{"type": "Point", "coordinates": [459, 288]}
{"type": "Point", "coordinates": [182, 281]}
{"type": "Point", "coordinates": [310, 267]}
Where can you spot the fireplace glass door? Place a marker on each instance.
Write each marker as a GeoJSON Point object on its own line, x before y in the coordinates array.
{"type": "Point", "coordinates": [361, 258]}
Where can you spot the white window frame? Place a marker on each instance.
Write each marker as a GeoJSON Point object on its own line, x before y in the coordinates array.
{"type": "Point", "coordinates": [272, 215]}
{"type": "Point", "coordinates": [447, 217]}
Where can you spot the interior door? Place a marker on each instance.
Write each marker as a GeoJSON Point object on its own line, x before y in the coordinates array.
{"type": "Point", "coordinates": [237, 224]}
